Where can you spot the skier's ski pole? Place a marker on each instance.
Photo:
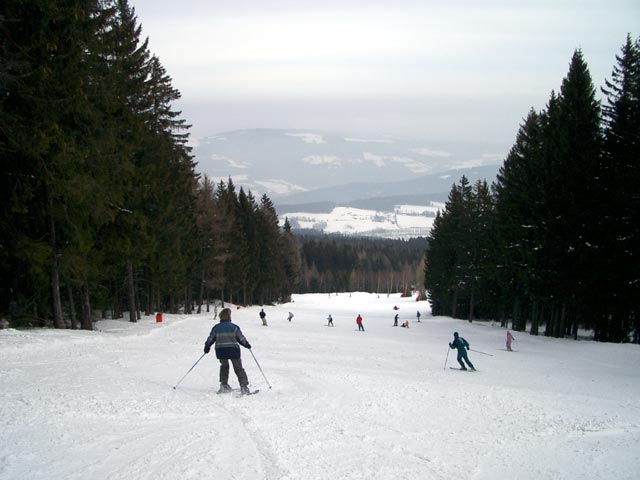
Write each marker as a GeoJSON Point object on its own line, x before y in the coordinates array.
{"type": "Point", "coordinates": [445, 360]}
{"type": "Point", "coordinates": [478, 351]}
{"type": "Point", "coordinates": [194, 366]}
{"type": "Point", "coordinates": [265, 378]}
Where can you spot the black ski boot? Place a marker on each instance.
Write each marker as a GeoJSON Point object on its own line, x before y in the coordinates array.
{"type": "Point", "coordinates": [224, 388]}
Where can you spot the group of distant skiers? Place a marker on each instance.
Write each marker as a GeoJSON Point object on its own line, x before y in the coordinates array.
{"type": "Point", "coordinates": [228, 337]}
{"type": "Point", "coordinates": [404, 324]}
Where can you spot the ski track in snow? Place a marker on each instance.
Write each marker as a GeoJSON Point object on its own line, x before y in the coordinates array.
{"type": "Point", "coordinates": [344, 404]}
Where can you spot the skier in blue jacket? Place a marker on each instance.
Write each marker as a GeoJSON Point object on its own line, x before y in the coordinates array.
{"type": "Point", "coordinates": [228, 337]}
{"type": "Point", "coordinates": [462, 345]}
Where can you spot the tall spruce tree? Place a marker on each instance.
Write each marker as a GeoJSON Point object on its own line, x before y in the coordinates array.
{"type": "Point", "coordinates": [578, 141]}
{"type": "Point", "coordinates": [519, 210]}
{"type": "Point", "coordinates": [292, 262]}
{"type": "Point", "coordinates": [270, 269]}
{"type": "Point", "coordinates": [448, 258]}
{"type": "Point", "coordinates": [619, 175]}
{"type": "Point", "coordinates": [482, 237]}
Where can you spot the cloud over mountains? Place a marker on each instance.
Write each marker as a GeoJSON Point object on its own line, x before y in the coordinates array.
{"type": "Point", "coordinates": [283, 162]}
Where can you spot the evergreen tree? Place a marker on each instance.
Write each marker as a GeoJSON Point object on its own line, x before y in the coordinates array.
{"type": "Point", "coordinates": [291, 262]}
{"type": "Point", "coordinates": [482, 237]}
{"type": "Point", "coordinates": [270, 272]}
{"type": "Point", "coordinates": [619, 215]}
{"type": "Point", "coordinates": [98, 183]}
{"type": "Point", "coordinates": [206, 232]}
{"type": "Point", "coordinates": [520, 218]}
{"type": "Point", "coordinates": [449, 258]}
{"type": "Point", "coordinates": [46, 143]}
{"type": "Point", "coordinates": [574, 151]}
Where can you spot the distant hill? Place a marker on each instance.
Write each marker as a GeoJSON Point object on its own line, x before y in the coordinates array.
{"type": "Point", "coordinates": [284, 163]}
{"type": "Point", "coordinates": [330, 182]}
{"type": "Point", "coordinates": [358, 210]}
{"type": "Point", "coordinates": [419, 190]}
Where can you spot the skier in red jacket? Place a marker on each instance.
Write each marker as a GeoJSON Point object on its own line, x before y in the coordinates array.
{"type": "Point", "coordinates": [359, 322]}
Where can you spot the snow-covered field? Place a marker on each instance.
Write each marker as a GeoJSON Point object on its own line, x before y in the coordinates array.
{"type": "Point", "coordinates": [405, 221]}
{"type": "Point", "coordinates": [343, 404]}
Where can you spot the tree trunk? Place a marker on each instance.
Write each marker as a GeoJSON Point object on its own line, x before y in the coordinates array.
{"type": "Point", "coordinates": [471, 300]}
{"type": "Point", "coordinates": [454, 303]}
{"type": "Point", "coordinates": [515, 316]}
{"type": "Point", "coordinates": [535, 317]}
{"type": "Point", "coordinates": [551, 319]}
{"type": "Point", "coordinates": [58, 320]}
{"type": "Point", "coordinates": [72, 308]}
{"type": "Point", "coordinates": [85, 303]}
{"type": "Point", "coordinates": [133, 317]}
{"type": "Point", "coordinates": [559, 325]}
{"type": "Point", "coordinates": [149, 309]}
{"type": "Point", "coordinates": [136, 286]}
{"type": "Point", "coordinates": [117, 308]}
{"type": "Point", "coordinates": [201, 293]}
{"type": "Point", "coordinates": [155, 299]}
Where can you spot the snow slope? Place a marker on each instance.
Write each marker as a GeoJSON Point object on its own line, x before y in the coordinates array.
{"type": "Point", "coordinates": [344, 404]}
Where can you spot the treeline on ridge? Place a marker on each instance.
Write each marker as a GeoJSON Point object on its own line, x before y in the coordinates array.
{"type": "Point", "coordinates": [553, 244]}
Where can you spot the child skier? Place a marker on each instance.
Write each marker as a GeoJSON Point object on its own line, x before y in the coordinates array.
{"type": "Point", "coordinates": [462, 345]}
{"type": "Point", "coordinates": [263, 317]}
{"type": "Point", "coordinates": [359, 322]}
{"type": "Point", "coordinates": [290, 316]}
{"type": "Point", "coordinates": [330, 321]}
{"type": "Point", "coordinates": [418, 315]}
{"type": "Point", "coordinates": [228, 337]}
{"type": "Point", "coordinates": [395, 320]}
{"type": "Point", "coordinates": [509, 340]}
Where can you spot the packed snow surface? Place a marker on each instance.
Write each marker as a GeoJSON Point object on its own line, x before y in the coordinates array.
{"type": "Point", "coordinates": [344, 404]}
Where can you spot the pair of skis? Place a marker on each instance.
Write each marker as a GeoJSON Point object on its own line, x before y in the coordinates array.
{"type": "Point", "coordinates": [239, 393]}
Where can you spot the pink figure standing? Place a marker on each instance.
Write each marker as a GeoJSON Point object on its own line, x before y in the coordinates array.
{"type": "Point", "coordinates": [509, 340]}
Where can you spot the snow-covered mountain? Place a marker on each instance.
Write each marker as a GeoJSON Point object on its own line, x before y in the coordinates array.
{"type": "Point", "coordinates": [343, 184]}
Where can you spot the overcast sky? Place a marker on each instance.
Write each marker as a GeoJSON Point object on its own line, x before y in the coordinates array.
{"type": "Point", "coordinates": [441, 70]}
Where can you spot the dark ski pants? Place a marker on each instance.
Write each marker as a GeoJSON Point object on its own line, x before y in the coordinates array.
{"type": "Point", "coordinates": [463, 354]}
{"type": "Point", "coordinates": [237, 367]}
{"type": "Point", "coordinates": [360, 327]}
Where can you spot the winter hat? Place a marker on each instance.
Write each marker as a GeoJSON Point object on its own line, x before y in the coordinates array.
{"type": "Point", "coordinates": [225, 314]}
{"type": "Point", "coordinates": [455, 334]}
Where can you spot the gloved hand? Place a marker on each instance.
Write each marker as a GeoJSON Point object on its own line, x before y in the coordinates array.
{"type": "Point", "coordinates": [207, 349]}
{"type": "Point", "coordinates": [450, 345]}
{"type": "Point", "coordinates": [249, 346]}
